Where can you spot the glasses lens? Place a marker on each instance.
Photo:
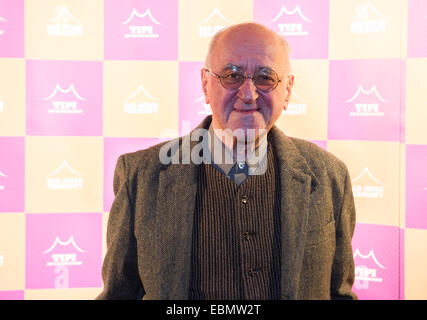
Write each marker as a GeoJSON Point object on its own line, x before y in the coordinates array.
{"type": "Point", "coordinates": [232, 80]}
{"type": "Point", "coordinates": [266, 80]}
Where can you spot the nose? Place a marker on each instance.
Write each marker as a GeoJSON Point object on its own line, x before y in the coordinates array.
{"type": "Point", "coordinates": [247, 92]}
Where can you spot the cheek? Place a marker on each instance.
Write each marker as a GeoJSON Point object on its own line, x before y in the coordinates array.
{"type": "Point", "coordinates": [222, 103]}
{"type": "Point", "coordinates": [272, 107]}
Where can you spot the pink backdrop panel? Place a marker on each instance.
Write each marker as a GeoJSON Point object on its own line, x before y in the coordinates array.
{"type": "Point", "coordinates": [376, 257]}
{"type": "Point", "coordinates": [12, 295]}
{"type": "Point", "coordinates": [304, 23]}
{"type": "Point", "coordinates": [136, 29]}
{"type": "Point", "coordinates": [64, 98]}
{"type": "Point", "coordinates": [12, 29]}
{"type": "Point", "coordinates": [12, 174]}
{"type": "Point", "coordinates": [63, 250]}
{"type": "Point", "coordinates": [416, 186]}
{"type": "Point", "coordinates": [417, 28]}
{"type": "Point", "coordinates": [192, 106]}
{"type": "Point", "coordinates": [365, 100]}
{"type": "Point", "coordinates": [320, 143]}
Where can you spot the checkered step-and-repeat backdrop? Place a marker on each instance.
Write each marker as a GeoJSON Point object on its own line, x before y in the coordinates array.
{"type": "Point", "coordinates": [82, 82]}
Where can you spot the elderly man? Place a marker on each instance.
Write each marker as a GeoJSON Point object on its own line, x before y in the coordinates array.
{"type": "Point", "coordinates": [276, 227]}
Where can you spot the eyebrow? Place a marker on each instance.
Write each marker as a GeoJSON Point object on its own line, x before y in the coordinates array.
{"type": "Point", "coordinates": [229, 66]}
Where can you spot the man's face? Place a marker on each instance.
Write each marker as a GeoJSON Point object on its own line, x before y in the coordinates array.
{"type": "Point", "coordinates": [247, 107]}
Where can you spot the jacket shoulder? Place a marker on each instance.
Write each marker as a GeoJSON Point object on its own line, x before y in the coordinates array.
{"type": "Point", "coordinates": [145, 159]}
{"type": "Point", "coordinates": [318, 158]}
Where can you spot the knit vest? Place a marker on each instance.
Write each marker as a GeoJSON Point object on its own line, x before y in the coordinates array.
{"type": "Point", "coordinates": [236, 241]}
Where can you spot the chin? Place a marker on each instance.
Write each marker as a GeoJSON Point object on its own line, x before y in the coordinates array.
{"type": "Point", "coordinates": [245, 122]}
{"type": "Point", "coordinates": [248, 133]}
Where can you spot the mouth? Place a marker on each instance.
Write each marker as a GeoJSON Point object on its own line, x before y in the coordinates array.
{"type": "Point", "coordinates": [246, 111]}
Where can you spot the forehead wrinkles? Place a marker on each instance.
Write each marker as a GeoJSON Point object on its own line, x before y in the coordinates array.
{"type": "Point", "coordinates": [249, 55]}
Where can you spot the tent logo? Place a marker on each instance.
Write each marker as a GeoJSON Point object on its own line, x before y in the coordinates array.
{"type": "Point", "coordinates": [137, 103]}
{"type": "Point", "coordinates": [296, 109]}
{"type": "Point", "coordinates": [64, 177]}
{"type": "Point", "coordinates": [64, 105]}
{"type": "Point", "coordinates": [64, 259]}
{"type": "Point", "coordinates": [64, 24]}
{"type": "Point", "coordinates": [2, 175]}
{"type": "Point", "coordinates": [2, 21]}
{"type": "Point", "coordinates": [137, 29]}
{"type": "Point", "coordinates": [370, 109]}
{"type": "Point", "coordinates": [204, 108]}
{"type": "Point", "coordinates": [291, 29]}
{"type": "Point", "coordinates": [367, 186]}
{"type": "Point", "coordinates": [367, 19]}
{"type": "Point", "coordinates": [364, 274]}
{"type": "Point", "coordinates": [212, 24]}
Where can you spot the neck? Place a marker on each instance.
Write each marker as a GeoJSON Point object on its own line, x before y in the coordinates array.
{"type": "Point", "coordinates": [239, 143]}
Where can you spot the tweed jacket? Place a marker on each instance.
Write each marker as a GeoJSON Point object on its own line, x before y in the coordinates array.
{"type": "Point", "coordinates": [149, 231]}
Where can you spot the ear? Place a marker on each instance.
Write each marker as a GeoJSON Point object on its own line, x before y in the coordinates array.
{"type": "Point", "coordinates": [204, 78]}
{"type": "Point", "coordinates": [289, 86]}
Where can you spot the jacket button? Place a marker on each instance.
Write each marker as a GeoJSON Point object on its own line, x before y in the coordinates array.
{"type": "Point", "coordinates": [252, 273]}
{"type": "Point", "coordinates": [245, 199]}
{"type": "Point", "coordinates": [247, 236]}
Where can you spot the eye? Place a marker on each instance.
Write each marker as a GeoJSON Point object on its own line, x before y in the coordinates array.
{"type": "Point", "coordinates": [264, 78]}
{"type": "Point", "coordinates": [233, 76]}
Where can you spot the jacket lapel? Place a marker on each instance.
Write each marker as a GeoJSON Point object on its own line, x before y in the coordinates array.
{"type": "Point", "coordinates": [297, 182]}
{"type": "Point", "coordinates": [174, 219]}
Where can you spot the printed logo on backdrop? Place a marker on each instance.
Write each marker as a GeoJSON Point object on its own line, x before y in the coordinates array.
{"type": "Point", "coordinates": [364, 107]}
{"type": "Point", "coordinates": [64, 105]}
{"type": "Point", "coordinates": [2, 22]}
{"type": "Point", "coordinates": [64, 177]}
{"type": "Point", "coordinates": [367, 19]}
{"type": "Point", "coordinates": [369, 271]}
{"type": "Point", "coordinates": [63, 250]}
{"type": "Point", "coordinates": [64, 24]}
{"type": "Point", "coordinates": [371, 108]}
{"type": "Point", "coordinates": [204, 108]}
{"type": "Point", "coordinates": [2, 175]}
{"type": "Point", "coordinates": [141, 102]}
{"type": "Point", "coordinates": [141, 25]}
{"type": "Point", "coordinates": [135, 30]}
{"type": "Point", "coordinates": [294, 28]}
{"type": "Point", "coordinates": [62, 260]}
{"type": "Point", "coordinates": [64, 97]}
{"type": "Point", "coordinates": [212, 24]}
{"type": "Point", "coordinates": [296, 109]}
{"type": "Point", "coordinates": [367, 186]}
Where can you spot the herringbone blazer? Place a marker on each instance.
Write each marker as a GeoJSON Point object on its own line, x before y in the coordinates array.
{"type": "Point", "coordinates": [149, 232]}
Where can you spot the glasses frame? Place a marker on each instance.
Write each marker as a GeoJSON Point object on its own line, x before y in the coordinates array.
{"type": "Point", "coordinates": [244, 79]}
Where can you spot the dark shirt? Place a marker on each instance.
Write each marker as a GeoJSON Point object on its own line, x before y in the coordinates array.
{"type": "Point", "coordinates": [236, 236]}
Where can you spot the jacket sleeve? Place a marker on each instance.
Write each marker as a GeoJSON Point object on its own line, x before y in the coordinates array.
{"type": "Point", "coordinates": [120, 267]}
{"type": "Point", "coordinates": [342, 277]}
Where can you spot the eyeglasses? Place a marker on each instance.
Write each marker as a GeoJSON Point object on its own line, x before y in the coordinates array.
{"type": "Point", "coordinates": [265, 79]}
